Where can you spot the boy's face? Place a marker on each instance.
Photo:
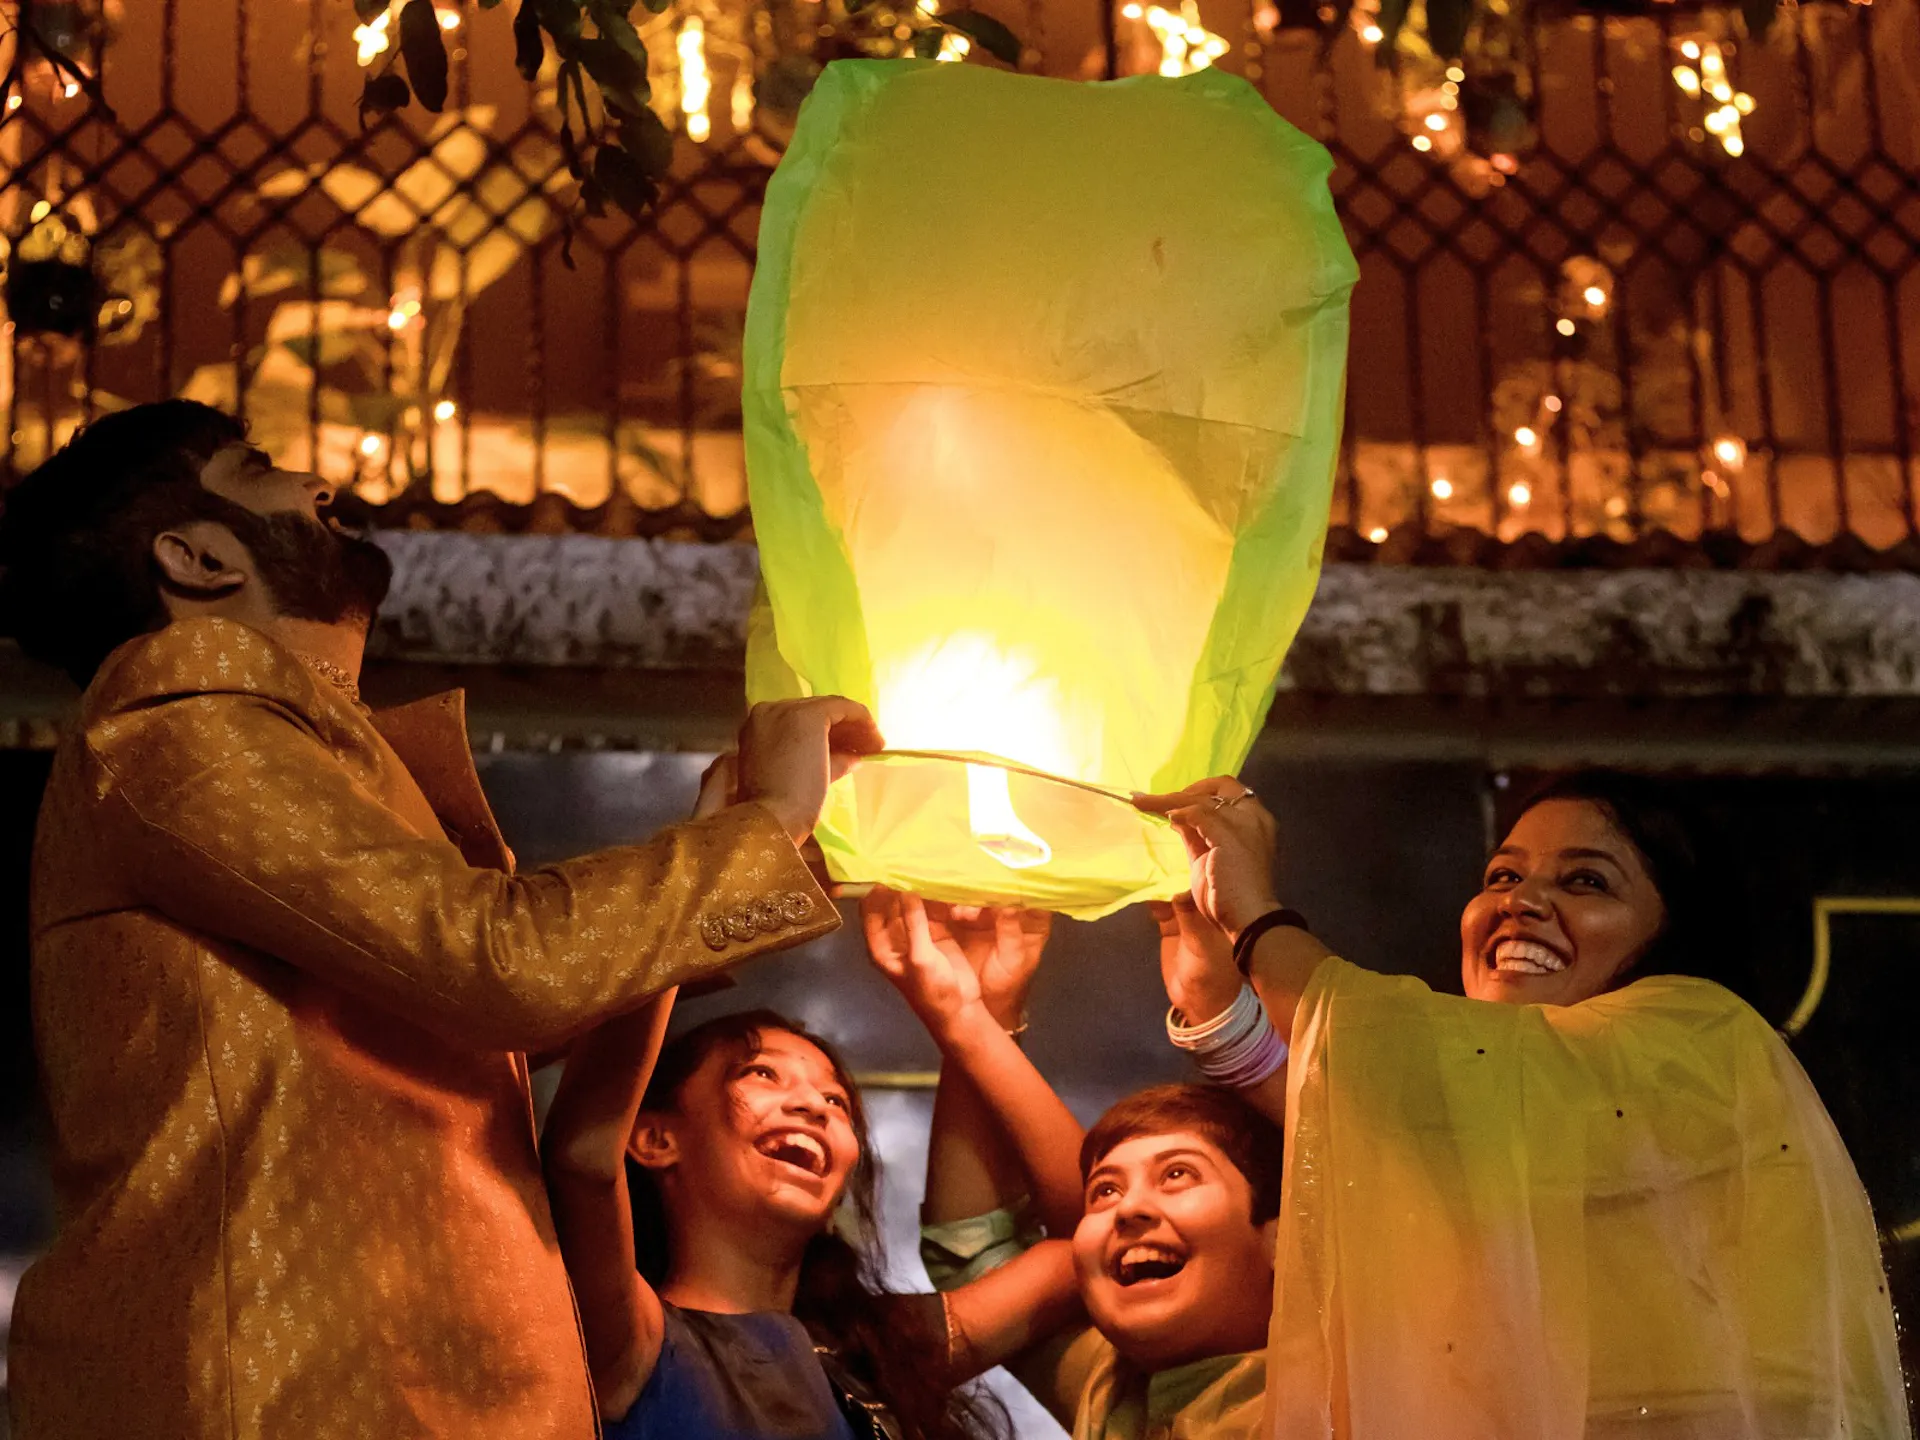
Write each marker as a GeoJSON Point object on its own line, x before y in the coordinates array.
{"type": "Point", "coordinates": [1172, 1267]}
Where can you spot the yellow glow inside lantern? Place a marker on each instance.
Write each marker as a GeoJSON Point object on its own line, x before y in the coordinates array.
{"type": "Point", "coordinates": [1056, 518]}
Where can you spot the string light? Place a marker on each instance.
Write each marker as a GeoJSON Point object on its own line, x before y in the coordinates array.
{"type": "Point", "coordinates": [1422, 143]}
{"type": "Point", "coordinates": [1710, 83]}
{"type": "Point", "coordinates": [1186, 46]}
{"type": "Point", "coordinates": [740, 105]}
{"type": "Point", "coordinates": [1378, 534]}
{"type": "Point", "coordinates": [1372, 34]}
{"type": "Point", "coordinates": [445, 410]}
{"type": "Point", "coordinates": [41, 209]}
{"type": "Point", "coordinates": [1442, 488]}
{"type": "Point", "coordinates": [1690, 49]}
{"type": "Point", "coordinates": [1520, 495]}
{"type": "Point", "coordinates": [370, 445]}
{"type": "Point", "coordinates": [72, 89]}
{"type": "Point", "coordinates": [1526, 437]}
{"type": "Point", "coordinates": [1594, 296]}
{"type": "Point", "coordinates": [953, 48]}
{"type": "Point", "coordinates": [1551, 404]}
{"type": "Point", "coordinates": [1565, 326]}
{"type": "Point", "coordinates": [405, 306]}
{"type": "Point", "coordinates": [373, 37]}
{"type": "Point", "coordinates": [1730, 451]}
{"type": "Point", "coordinates": [1436, 122]}
{"type": "Point", "coordinates": [696, 84]}
{"type": "Point", "coordinates": [13, 102]}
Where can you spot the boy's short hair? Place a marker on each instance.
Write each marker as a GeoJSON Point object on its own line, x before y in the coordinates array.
{"type": "Point", "coordinates": [1249, 1139]}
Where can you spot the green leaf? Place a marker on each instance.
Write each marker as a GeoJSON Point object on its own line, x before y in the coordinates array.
{"type": "Point", "coordinates": [624, 182]}
{"type": "Point", "coordinates": [425, 53]}
{"type": "Point", "coordinates": [926, 43]}
{"type": "Point", "coordinates": [529, 45]}
{"type": "Point", "coordinates": [1447, 24]}
{"type": "Point", "coordinates": [621, 78]}
{"type": "Point", "coordinates": [1759, 16]}
{"type": "Point", "coordinates": [381, 95]}
{"type": "Point", "coordinates": [610, 19]}
{"type": "Point", "coordinates": [562, 19]}
{"type": "Point", "coordinates": [986, 32]}
{"type": "Point", "coordinates": [646, 138]}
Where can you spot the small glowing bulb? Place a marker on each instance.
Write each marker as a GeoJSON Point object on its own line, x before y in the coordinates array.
{"type": "Point", "coordinates": [445, 410]}
{"type": "Point", "coordinates": [72, 89]}
{"type": "Point", "coordinates": [1565, 326]}
{"type": "Point", "coordinates": [1132, 11]}
{"type": "Point", "coordinates": [1594, 296]}
{"type": "Point", "coordinates": [41, 209]}
{"type": "Point", "coordinates": [1526, 437]}
{"type": "Point", "coordinates": [1730, 451]}
{"type": "Point", "coordinates": [1422, 143]}
{"type": "Point", "coordinates": [1442, 488]}
{"type": "Point", "coordinates": [1733, 145]}
{"type": "Point", "coordinates": [1551, 404]}
{"type": "Point", "coordinates": [1436, 122]}
{"type": "Point", "coordinates": [1373, 34]}
{"type": "Point", "coordinates": [1722, 92]}
{"type": "Point", "coordinates": [1687, 79]}
{"type": "Point", "coordinates": [1743, 102]}
{"type": "Point", "coordinates": [740, 102]}
{"type": "Point", "coordinates": [449, 20]}
{"type": "Point", "coordinates": [369, 445]}
{"type": "Point", "coordinates": [372, 37]}
{"type": "Point", "coordinates": [1456, 74]}
{"type": "Point", "coordinates": [1691, 49]}
{"type": "Point", "coordinates": [1378, 534]}
{"type": "Point", "coordinates": [13, 102]}
{"type": "Point", "coordinates": [1520, 494]}
{"type": "Point", "coordinates": [695, 83]}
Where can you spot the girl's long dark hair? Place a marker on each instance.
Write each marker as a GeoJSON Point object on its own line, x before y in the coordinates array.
{"type": "Point", "coordinates": [842, 1299]}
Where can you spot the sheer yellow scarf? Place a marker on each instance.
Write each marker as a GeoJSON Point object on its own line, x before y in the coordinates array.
{"type": "Point", "coordinates": [1628, 1217]}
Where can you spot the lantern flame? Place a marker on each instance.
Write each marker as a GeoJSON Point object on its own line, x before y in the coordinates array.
{"type": "Point", "coordinates": [996, 828]}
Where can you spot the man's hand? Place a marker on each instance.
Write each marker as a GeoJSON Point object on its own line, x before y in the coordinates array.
{"type": "Point", "coordinates": [1196, 961]}
{"type": "Point", "coordinates": [1230, 848]}
{"type": "Point", "coordinates": [792, 750]}
{"type": "Point", "coordinates": [717, 785]}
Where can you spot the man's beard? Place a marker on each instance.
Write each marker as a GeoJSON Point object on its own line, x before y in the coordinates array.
{"type": "Point", "coordinates": [313, 572]}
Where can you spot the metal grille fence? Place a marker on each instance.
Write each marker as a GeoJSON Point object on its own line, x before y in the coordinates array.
{"type": "Point", "coordinates": [1582, 318]}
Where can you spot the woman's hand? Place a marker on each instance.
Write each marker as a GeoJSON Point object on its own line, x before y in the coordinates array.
{"type": "Point", "coordinates": [1230, 848]}
{"type": "Point", "coordinates": [1196, 961]}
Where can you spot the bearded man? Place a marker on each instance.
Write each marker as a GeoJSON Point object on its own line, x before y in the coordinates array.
{"type": "Point", "coordinates": [285, 979]}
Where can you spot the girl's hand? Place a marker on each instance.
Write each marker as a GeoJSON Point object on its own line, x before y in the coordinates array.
{"type": "Point", "coordinates": [1196, 961]}
{"type": "Point", "coordinates": [925, 962]}
{"type": "Point", "coordinates": [1003, 944]}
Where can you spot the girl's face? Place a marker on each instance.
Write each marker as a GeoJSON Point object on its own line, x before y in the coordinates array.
{"type": "Point", "coordinates": [1565, 908]}
{"type": "Point", "coordinates": [765, 1138]}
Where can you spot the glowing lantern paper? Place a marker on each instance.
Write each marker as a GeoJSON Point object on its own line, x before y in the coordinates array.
{"type": "Point", "coordinates": [1042, 399]}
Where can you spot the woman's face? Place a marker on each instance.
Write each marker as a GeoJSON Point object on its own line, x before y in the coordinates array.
{"type": "Point", "coordinates": [1171, 1266]}
{"type": "Point", "coordinates": [1566, 905]}
{"type": "Point", "coordinates": [766, 1138]}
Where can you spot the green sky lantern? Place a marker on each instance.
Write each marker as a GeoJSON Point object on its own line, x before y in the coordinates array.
{"type": "Point", "coordinates": [1042, 402]}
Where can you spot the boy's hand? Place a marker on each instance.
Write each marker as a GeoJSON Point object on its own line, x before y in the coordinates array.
{"type": "Point", "coordinates": [1196, 961]}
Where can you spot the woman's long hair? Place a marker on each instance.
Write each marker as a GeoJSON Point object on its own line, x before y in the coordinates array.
{"type": "Point", "coordinates": [842, 1298]}
{"type": "Point", "coordinates": [1704, 932]}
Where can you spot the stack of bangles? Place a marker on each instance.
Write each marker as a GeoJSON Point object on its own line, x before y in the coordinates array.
{"type": "Point", "coordinates": [1238, 1047]}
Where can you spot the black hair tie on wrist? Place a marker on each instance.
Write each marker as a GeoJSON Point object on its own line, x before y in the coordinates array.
{"type": "Point", "coordinates": [1249, 937]}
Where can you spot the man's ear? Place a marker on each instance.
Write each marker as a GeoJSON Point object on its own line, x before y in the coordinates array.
{"type": "Point", "coordinates": [653, 1143]}
{"type": "Point", "coordinates": [201, 559]}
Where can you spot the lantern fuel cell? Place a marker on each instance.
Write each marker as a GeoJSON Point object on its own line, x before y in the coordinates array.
{"type": "Point", "coordinates": [1053, 507]}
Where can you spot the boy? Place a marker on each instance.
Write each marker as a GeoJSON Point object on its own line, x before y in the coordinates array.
{"type": "Point", "coordinates": [1171, 1199]}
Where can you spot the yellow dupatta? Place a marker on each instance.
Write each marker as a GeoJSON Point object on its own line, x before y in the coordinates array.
{"type": "Point", "coordinates": [1627, 1217]}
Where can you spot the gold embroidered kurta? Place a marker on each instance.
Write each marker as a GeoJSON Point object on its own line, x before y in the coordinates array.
{"type": "Point", "coordinates": [282, 979]}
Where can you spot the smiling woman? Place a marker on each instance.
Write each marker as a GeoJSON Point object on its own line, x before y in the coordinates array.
{"type": "Point", "coordinates": [1608, 1203]}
